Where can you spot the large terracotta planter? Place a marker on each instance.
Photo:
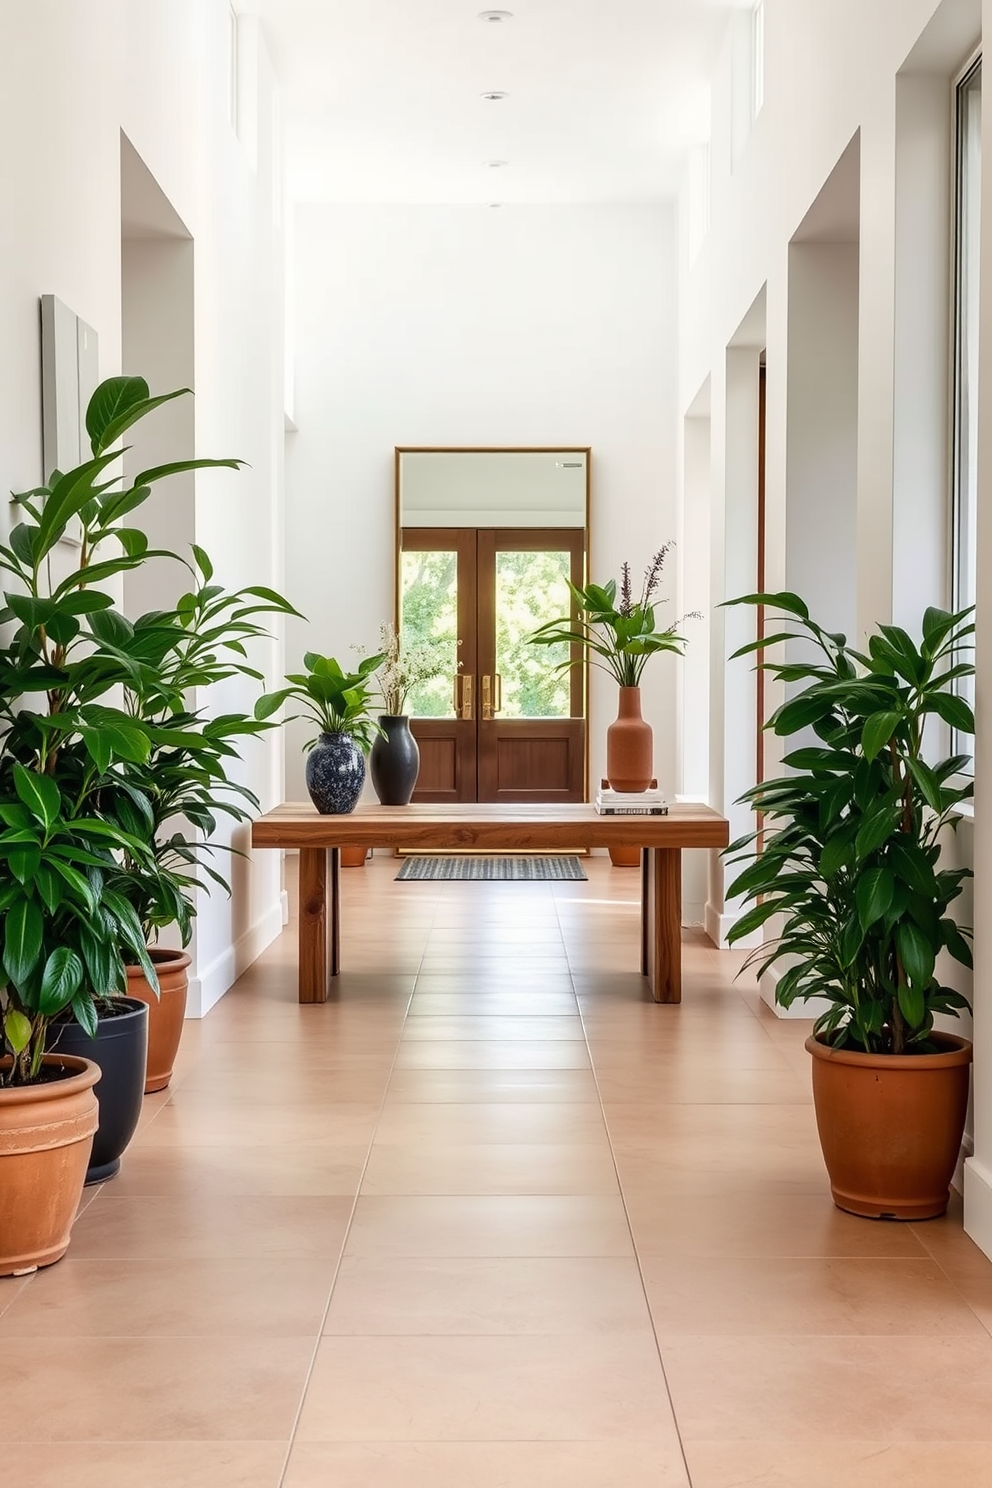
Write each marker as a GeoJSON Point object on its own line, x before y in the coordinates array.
{"type": "Point", "coordinates": [629, 745]}
{"type": "Point", "coordinates": [46, 1135]}
{"type": "Point", "coordinates": [891, 1125]}
{"type": "Point", "coordinates": [165, 1012]}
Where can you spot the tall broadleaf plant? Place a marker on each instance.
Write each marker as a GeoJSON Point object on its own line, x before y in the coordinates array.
{"type": "Point", "coordinates": [846, 860]}
{"type": "Point", "coordinates": [68, 660]}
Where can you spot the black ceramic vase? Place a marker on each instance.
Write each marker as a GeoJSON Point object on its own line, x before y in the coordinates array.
{"type": "Point", "coordinates": [120, 1048]}
{"type": "Point", "coordinates": [335, 774]}
{"type": "Point", "coordinates": [395, 760]}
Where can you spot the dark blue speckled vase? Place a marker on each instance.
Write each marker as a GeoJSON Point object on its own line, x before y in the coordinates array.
{"type": "Point", "coordinates": [335, 774]}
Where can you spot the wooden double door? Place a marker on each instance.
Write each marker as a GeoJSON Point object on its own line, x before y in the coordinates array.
{"type": "Point", "coordinates": [498, 722]}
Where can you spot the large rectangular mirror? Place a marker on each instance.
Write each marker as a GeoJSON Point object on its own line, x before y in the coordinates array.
{"type": "Point", "coordinates": [487, 543]}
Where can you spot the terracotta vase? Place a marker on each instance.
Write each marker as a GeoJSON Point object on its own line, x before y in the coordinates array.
{"type": "Point", "coordinates": [165, 1012]}
{"type": "Point", "coordinates": [46, 1136]}
{"type": "Point", "coordinates": [354, 857]}
{"type": "Point", "coordinates": [629, 745]}
{"type": "Point", "coordinates": [625, 857]}
{"type": "Point", "coordinates": [890, 1126]}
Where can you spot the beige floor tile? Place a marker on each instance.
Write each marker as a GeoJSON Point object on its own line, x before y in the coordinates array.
{"type": "Point", "coordinates": [490, 1226]}
{"type": "Point", "coordinates": [534, 1086]}
{"type": "Point", "coordinates": [537, 1464]}
{"type": "Point", "coordinates": [148, 1464]}
{"type": "Point", "coordinates": [487, 1389]}
{"type": "Point", "coordinates": [493, 1054]}
{"type": "Point", "coordinates": [800, 1225]}
{"type": "Point", "coordinates": [826, 1463]}
{"type": "Point", "coordinates": [211, 1123]}
{"type": "Point", "coordinates": [309, 1169]}
{"type": "Point", "coordinates": [478, 1002]}
{"type": "Point", "coordinates": [805, 1389]}
{"type": "Point", "coordinates": [501, 1028]}
{"type": "Point", "coordinates": [158, 1389]}
{"type": "Point", "coordinates": [206, 1225]}
{"type": "Point", "coordinates": [492, 1168]}
{"type": "Point", "coordinates": [694, 1084]}
{"type": "Point", "coordinates": [142, 1298]}
{"type": "Point", "coordinates": [821, 1296]}
{"type": "Point", "coordinates": [284, 1081]}
{"type": "Point", "coordinates": [412, 1295]}
{"type": "Point", "coordinates": [462, 1122]}
{"type": "Point", "coordinates": [490, 980]}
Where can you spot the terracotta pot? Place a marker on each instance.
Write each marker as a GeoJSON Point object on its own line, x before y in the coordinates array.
{"type": "Point", "coordinates": [890, 1126]}
{"type": "Point", "coordinates": [625, 857]}
{"type": "Point", "coordinates": [354, 857]}
{"type": "Point", "coordinates": [629, 745]}
{"type": "Point", "coordinates": [46, 1135]}
{"type": "Point", "coordinates": [165, 1012]}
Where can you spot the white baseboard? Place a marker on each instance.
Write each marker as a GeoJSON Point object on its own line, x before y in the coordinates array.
{"type": "Point", "coordinates": [209, 985]}
{"type": "Point", "coordinates": [978, 1203]}
{"type": "Point", "coordinates": [718, 925]}
{"type": "Point", "coordinates": [284, 906]}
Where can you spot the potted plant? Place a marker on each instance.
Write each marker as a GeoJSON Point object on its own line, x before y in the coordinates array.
{"type": "Point", "coordinates": [394, 761]}
{"type": "Point", "coordinates": [339, 703]}
{"type": "Point", "coordinates": [66, 928]}
{"type": "Point", "coordinates": [618, 636]}
{"type": "Point", "coordinates": [848, 855]}
{"type": "Point", "coordinates": [171, 800]}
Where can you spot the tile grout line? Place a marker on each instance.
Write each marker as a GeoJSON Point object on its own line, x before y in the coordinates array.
{"type": "Point", "coordinates": [637, 1257]}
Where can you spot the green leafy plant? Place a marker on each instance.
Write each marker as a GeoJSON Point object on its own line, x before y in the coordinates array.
{"type": "Point", "coordinates": [617, 635]}
{"type": "Point", "coordinates": [848, 848]}
{"type": "Point", "coordinates": [183, 786]}
{"type": "Point", "coordinates": [338, 702]}
{"type": "Point", "coordinates": [67, 926]}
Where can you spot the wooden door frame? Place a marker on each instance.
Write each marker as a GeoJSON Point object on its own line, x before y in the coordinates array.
{"type": "Point", "coordinates": [496, 449]}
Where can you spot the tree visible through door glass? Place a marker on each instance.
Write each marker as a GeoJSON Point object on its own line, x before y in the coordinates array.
{"type": "Point", "coordinates": [429, 616]}
{"type": "Point", "coordinates": [531, 588]}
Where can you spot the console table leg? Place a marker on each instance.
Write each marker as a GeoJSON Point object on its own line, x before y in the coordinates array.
{"type": "Point", "coordinates": [319, 921]}
{"type": "Point", "coordinates": [661, 922]}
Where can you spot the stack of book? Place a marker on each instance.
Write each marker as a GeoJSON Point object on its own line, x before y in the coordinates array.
{"type": "Point", "coordinates": [631, 803]}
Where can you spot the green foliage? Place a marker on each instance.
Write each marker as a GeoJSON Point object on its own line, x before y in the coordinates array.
{"type": "Point", "coordinates": [621, 635]}
{"type": "Point", "coordinates": [430, 620]}
{"type": "Point", "coordinates": [338, 702]}
{"type": "Point", "coordinates": [848, 847]}
{"type": "Point", "coordinates": [97, 747]}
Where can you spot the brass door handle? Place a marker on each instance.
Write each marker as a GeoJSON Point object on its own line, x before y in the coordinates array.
{"type": "Point", "coordinates": [464, 698]}
{"type": "Point", "coordinates": [492, 695]}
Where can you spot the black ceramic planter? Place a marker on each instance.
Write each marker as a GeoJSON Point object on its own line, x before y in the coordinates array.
{"type": "Point", "coordinates": [121, 1050]}
{"type": "Point", "coordinates": [335, 774]}
{"type": "Point", "coordinates": [394, 763]}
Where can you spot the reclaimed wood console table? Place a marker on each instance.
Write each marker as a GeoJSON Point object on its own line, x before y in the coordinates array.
{"type": "Point", "coordinates": [485, 828]}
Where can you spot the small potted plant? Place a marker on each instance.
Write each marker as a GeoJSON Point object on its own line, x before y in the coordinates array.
{"type": "Point", "coordinates": [618, 636]}
{"type": "Point", "coordinates": [848, 860]}
{"type": "Point", "coordinates": [394, 761]}
{"type": "Point", "coordinates": [339, 703]}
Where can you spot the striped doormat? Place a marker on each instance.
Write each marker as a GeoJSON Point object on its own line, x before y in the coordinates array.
{"type": "Point", "coordinates": [502, 869]}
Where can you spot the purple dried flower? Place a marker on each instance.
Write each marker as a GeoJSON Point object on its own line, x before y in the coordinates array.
{"type": "Point", "coordinates": [652, 577]}
{"type": "Point", "coordinates": [626, 595]}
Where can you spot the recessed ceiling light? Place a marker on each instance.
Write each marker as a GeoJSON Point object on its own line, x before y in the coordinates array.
{"type": "Point", "coordinates": [495, 164]}
{"type": "Point", "coordinates": [495, 204]}
{"type": "Point", "coordinates": [495, 16]}
{"type": "Point", "coordinates": [495, 96]}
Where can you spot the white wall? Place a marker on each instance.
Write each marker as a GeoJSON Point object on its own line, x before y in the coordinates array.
{"type": "Point", "coordinates": [881, 72]}
{"type": "Point", "coordinates": [156, 69]}
{"type": "Point", "coordinates": [477, 326]}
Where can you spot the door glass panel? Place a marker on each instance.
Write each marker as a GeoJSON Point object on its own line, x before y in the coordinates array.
{"type": "Point", "coordinates": [429, 624]}
{"type": "Point", "coordinates": [531, 588]}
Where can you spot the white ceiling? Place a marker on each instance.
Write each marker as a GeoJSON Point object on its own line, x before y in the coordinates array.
{"type": "Point", "coordinates": [382, 100]}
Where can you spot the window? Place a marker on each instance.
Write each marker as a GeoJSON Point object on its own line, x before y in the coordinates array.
{"type": "Point", "coordinates": [967, 205]}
